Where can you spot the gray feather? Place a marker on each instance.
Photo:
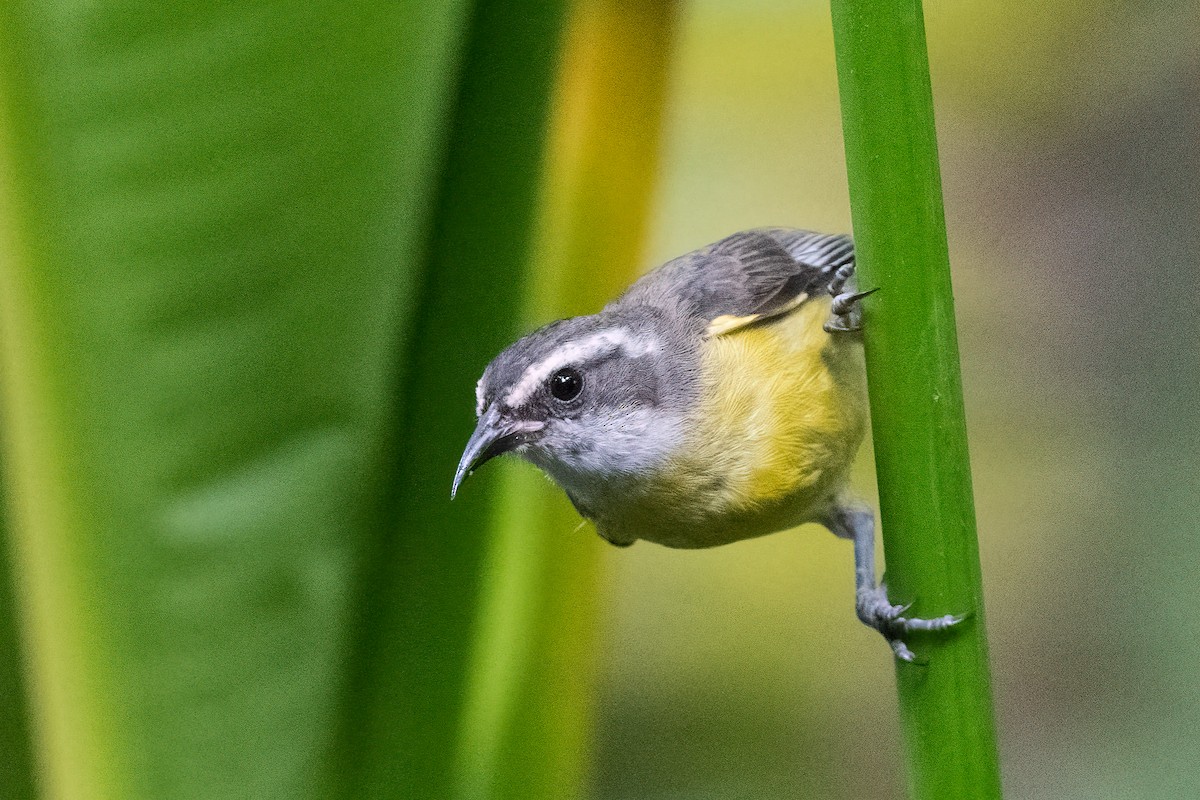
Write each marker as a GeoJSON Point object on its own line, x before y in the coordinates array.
{"type": "Point", "coordinates": [758, 271]}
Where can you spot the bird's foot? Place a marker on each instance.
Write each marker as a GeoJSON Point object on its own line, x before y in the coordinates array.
{"type": "Point", "coordinates": [876, 611]}
{"type": "Point", "coordinates": [846, 317]}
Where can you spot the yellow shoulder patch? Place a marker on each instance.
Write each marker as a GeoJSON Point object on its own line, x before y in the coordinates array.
{"type": "Point", "coordinates": [728, 323]}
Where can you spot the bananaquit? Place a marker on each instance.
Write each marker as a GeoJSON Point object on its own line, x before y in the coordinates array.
{"type": "Point", "coordinates": [721, 397]}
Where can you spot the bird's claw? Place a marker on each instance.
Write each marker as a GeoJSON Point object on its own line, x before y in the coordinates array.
{"type": "Point", "coordinates": [877, 612]}
{"type": "Point", "coordinates": [845, 314]}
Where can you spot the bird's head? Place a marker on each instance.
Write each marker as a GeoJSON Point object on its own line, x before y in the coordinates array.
{"type": "Point", "coordinates": [590, 400]}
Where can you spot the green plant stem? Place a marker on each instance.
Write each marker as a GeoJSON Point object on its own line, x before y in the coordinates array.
{"type": "Point", "coordinates": [916, 394]}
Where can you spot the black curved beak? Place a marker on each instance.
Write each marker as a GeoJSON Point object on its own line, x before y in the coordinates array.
{"type": "Point", "coordinates": [493, 436]}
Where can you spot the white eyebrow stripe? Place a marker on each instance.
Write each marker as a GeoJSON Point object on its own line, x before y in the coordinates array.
{"type": "Point", "coordinates": [578, 352]}
{"type": "Point", "coordinates": [479, 398]}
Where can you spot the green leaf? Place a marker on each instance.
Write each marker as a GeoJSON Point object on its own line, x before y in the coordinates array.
{"type": "Point", "coordinates": [210, 244]}
{"type": "Point", "coordinates": [17, 779]}
{"type": "Point", "coordinates": [527, 720]}
{"type": "Point", "coordinates": [422, 576]}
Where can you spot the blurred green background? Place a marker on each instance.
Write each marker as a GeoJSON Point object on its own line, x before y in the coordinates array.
{"type": "Point", "coordinates": [253, 257]}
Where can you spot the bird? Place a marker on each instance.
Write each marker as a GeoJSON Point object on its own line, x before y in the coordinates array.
{"type": "Point", "coordinates": [721, 397]}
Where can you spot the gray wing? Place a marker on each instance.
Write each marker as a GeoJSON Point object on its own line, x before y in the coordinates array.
{"type": "Point", "coordinates": [758, 272]}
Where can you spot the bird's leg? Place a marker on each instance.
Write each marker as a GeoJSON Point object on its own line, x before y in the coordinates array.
{"type": "Point", "coordinates": [839, 279]}
{"type": "Point", "coordinates": [853, 520]}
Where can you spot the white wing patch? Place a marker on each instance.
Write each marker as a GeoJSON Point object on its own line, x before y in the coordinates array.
{"type": "Point", "coordinates": [579, 352]}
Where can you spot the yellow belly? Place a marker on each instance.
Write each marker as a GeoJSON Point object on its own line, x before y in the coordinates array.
{"type": "Point", "coordinates": [783, 413]}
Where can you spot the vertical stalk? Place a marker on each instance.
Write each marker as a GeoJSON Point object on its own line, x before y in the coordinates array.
{"type": "Point", "coordinates": [916, 393]}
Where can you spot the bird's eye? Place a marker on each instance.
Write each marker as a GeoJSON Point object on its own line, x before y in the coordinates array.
{"type": "Point", "coordinates": [566, 384]}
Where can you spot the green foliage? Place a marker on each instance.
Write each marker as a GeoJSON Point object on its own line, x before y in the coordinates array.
{"type": "Point", "coordinates": [528, 722]}
{"type": "Point", "coordinates": [916, 393]}
{"type": "Point", "coordinates": [252, 258]}
{"type": "Point", "coordinates": [420, 589]}
{"type": "Point", "coordinates": [16, 747]}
